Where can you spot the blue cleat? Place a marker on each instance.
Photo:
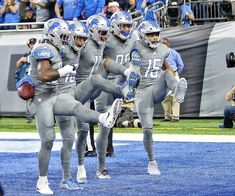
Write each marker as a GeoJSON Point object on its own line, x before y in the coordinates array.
{"type": "Point", "coordinates": [127, 92]}
{"type": "Point", "coordinates": [135, 58]}
{"type": "Point", "coordinates": [69, 184]}
{"type": "Point", "coordinates": [134, 79]}
{"type": "Point", "coordinates": [133, 72]}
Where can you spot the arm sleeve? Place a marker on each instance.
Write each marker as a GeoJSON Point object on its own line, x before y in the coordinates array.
{"type": "Point", "coordinates": [41, 53]}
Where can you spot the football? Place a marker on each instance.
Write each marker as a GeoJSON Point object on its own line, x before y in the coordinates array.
{"type": "Point", "coordinates": [26, 91]}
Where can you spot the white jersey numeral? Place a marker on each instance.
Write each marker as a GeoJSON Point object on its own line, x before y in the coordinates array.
{"type": "Point", "coordinates": [154, 67]}
{"type": "Point", "coordinates": [69, 79]}
{"type": "Point", "coordinates": [95, 67]}
{"type": "Point", "coordinates": [122, 58]}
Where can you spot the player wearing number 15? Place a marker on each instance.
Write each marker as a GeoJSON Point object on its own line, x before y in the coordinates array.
{"type": "Point", "coordinates": [156, 80]}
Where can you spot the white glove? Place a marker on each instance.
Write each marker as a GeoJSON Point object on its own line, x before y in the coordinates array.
{"type": "Point", "coordinates": [67, 69]}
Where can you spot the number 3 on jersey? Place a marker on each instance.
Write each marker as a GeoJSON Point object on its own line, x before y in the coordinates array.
{"type": "Point", "coordinates": [154, 67]}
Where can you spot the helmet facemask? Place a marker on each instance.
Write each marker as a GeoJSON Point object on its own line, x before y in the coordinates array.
{"type": "Point", "coordinates": [99, 28]}
{"type": "Point", "coordinates": [149, 31]}
{"type": "Point", "coordinates": [58, 33]}
{"type": "Point", "coordinates": [99, 35]}
{"type": "Point", "coordinates": [153, 43]}
{"type": "Point", "coordinates": [125, 31]}
{"type": "Point", "coordinates": [79, 45]}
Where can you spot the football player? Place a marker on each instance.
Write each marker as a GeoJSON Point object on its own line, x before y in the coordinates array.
{"type": "Point", "coordinates": [116, 60]}
{"type": "Point", "coordinates": [156, 81]}
{"type": "Point", "coordinates": [90, 77]}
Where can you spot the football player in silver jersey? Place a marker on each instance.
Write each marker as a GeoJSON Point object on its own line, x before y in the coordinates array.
{"type": "Point", "coordinates": [156, 81]}
{"type": "Point", "coordinates": [90, 78]}
{"type": "Point", "coordinates": [116, 60]}
{"type": "Point", "coordinates": [45, 69]}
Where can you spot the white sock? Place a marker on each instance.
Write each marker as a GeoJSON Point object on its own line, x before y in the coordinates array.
{"type": "Point", "coordinates": [43, 178]}
{"type": "Point", "coordinates": [80, 167]}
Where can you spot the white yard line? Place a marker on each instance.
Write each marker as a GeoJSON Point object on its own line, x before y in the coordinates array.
{"type": "Point", "coordinates": [136, 137]}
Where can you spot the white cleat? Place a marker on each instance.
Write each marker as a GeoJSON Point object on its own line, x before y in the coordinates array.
{"type": "Point", "coordinates": [43, 188]}
{"type": "Point", "coordinates": [180, 90]}
{"type": "Point", "coordinates": [108, 118]}
{"type": "Point", "coordinates": [153, 168]}
{"type": "Point", "coordinates": [103, 174]}
{"type": "Point", "coordinates": [81, 175]}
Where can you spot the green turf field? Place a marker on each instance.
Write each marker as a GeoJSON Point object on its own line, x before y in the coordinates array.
{"type": "Point", "coordinates": [184, 126]}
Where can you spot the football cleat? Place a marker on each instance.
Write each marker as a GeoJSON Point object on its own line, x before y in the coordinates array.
{"type": "Point", "coordinates": [133, 79]}
{"type": "Point", "coordinates": [43, 188]}
{"type": "Point", "coordinates": [153, 168]}
{"type": "Point", "coordinates": [180, 90]}
{"type": "Point", "coordinates": [133, 72]}
{"type": "Point", "coordinates": [127, 92]}
{"type": "Point", "coordinates": [135, 59]}
{"type": "Point", "coordinates": [69, 184]}
{"type": "Point", "coordinates": [81, 175]}
{"type": "Point", "coordinates": [103, 174]}
{"type": "Point", "coordinates": [108, 118]}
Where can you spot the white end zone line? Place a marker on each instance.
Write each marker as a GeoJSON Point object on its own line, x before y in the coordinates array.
{"type": "Point", "coordinates": [136, 137]}
{"type": "Point", "coordinates": [29, 142]}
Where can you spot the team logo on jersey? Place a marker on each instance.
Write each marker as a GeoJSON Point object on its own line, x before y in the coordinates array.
{"type": "Point", "coordinates": [42, 53]}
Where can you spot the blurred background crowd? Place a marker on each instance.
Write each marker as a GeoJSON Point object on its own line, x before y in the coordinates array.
{"type": "Point", "coordinates": [167, 12]}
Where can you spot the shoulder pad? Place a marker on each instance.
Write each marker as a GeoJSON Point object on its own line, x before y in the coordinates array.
{"type": "Point", "coordinates": [42, 53]}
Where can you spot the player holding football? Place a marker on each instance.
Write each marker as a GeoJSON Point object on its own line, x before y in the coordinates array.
{"type": "Point", "coordinates": [45, 69]}
{"type": "Point", "coordinates": [156, 80]}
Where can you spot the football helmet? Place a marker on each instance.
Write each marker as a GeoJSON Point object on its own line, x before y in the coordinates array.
{"type": "Point", "coordinates": [58, 33]}
{"type": "Point", "coordinates": [149, 27]}
{"type": "Point", "coordinates": [122, 24]}
{"type": "Point", "coordinates": [79, 29]}
{"type": "Point", "coordinates": [99, 28]}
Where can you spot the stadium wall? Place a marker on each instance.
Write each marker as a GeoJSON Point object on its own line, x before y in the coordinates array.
{"type": "Point", "coordinates": [202, 48]}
